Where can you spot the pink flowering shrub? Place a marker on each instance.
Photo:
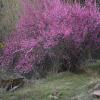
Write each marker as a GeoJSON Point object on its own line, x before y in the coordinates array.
{"type": "Point", "coordinates": [56, 36]}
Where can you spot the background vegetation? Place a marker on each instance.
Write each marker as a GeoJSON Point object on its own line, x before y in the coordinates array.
{"type": "Point", "coordinates": [8, 16]}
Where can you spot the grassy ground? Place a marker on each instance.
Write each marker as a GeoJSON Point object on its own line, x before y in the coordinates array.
{"type": "Point", "coordinates": [69, 87]}
{"type": "Point", "coordinates": [67, 84]}
{"type": "Point", "coordinates": [94, 66]}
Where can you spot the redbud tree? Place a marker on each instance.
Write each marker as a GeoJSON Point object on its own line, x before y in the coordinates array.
{"type": "Point", "coordinates": [54, 36]}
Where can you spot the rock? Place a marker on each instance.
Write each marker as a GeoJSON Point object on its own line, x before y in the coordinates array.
{"type": "Point", "coordinates": [96, 93]}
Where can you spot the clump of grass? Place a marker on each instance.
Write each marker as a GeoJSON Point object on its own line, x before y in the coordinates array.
{"type": "Point", "coordinates": [93, 68]}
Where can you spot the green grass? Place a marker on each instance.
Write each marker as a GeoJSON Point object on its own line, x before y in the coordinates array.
{"type": "Point", "coordinates": [70, 86]}
{"type": "Point", "coordinates": [95, 65]}
{"type": "Point", "coordinates": [67, 84]}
